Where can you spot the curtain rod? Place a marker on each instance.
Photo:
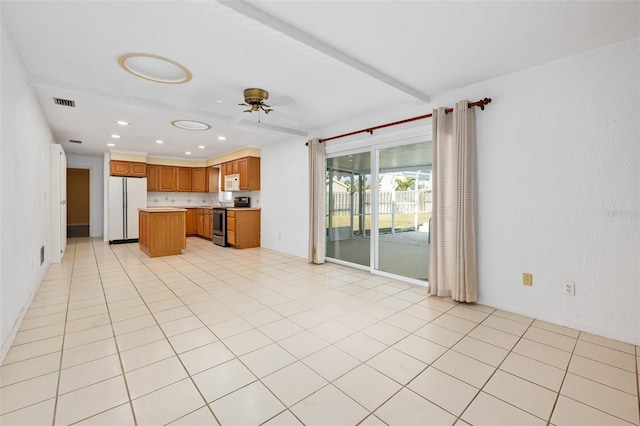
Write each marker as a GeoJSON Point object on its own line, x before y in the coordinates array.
{"type": "Point", "coordinates": [481, 103]}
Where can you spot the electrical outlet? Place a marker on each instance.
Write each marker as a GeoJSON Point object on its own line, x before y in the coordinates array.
{"type": "Point", "coordinates": [527, 279]}
{"type": "Point", "coordinates": [569, 288]}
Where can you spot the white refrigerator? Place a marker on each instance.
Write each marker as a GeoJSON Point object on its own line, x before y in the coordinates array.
{"type": "Point", "coordinates": [126, 196]}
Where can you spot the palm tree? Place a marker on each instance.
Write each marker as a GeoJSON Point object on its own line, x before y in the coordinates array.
{"type": "Point", "coordinates": [405, 183]}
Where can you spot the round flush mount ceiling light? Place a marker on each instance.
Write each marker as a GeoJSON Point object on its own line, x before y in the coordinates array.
{"type": "Point", "coordinates": [154, 68]}
{"type": "Point", "coordinates": [190, 125]}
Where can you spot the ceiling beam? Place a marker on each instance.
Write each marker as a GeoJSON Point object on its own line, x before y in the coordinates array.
{"type": "Point", "coordinates": [250, 11]}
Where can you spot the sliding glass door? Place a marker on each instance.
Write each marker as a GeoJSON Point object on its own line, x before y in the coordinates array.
{"type": "Point", "coordinates": [403, 210]}
{"type": "Point", "coordinates": [384, 193]}
{"type": "Point", "coordinates": [348, 208]}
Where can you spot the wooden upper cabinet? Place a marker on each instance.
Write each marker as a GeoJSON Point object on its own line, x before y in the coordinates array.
{"type": "Point", "coordinates": [137, 169]}
{"type": "Point", "coordinates": [212, 179]}
{"type": "Point", "coordinates": [231, 168]}
{"type": "Point", "coordinates": [183, 179]}
{"type": "Point", "coordinates": [249, 169]}
{"type": "Point", "coordinates": [167, 179]}
{"type": "Point", "coordinates": [199, 179]}
{"type": "Point", "coordinates": [127, 168]}
{"type": "Point", "coordinates": [153, 178]}
{"type": "Point", "coordinates": [119, 168]}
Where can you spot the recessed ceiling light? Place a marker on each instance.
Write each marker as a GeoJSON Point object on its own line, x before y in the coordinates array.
{"type": "Point", "coordinates": [188, 152]}
{"type": "Point", "coordinates": [154, 68]}
{"type": "Point", "coordinates": [122, 123]}
{"type": "Point", "coordinates": [201, 146]}
{"type": "Point", "coordinates": [219, 101]}
{"type": "Point", "coordinates": [115, 136]}
{"type": "Point", "coordinates": [222, 138]}
{"type": "Point", "coordinates": [111, 144]}
{"type": "Point", "coordinates": [159, 141]}
{"type": "Point", "coordinates": [190, 125]}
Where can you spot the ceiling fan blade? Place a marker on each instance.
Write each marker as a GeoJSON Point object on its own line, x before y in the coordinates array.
{"type": "Point", "coordinates": [282, 100]}
{"type": "Point", "coordinates": [237, 118]}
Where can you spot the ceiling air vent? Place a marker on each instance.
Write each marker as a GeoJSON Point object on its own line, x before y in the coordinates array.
{"type": "Point", "coordinates": [74, 141]}
{"type": "Point", "coordinates": [65, 102]}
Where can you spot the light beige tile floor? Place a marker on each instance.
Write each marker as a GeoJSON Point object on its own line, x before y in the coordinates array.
{"type": "Point", "coordinates": [248, 337]}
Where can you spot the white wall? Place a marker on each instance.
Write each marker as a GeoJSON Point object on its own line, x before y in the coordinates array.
{"type": "Point", "coordinates": [558, 189]}
{"type": "Point", "coordinates": [96, 196]}
{"type": "Point", "coordinates": [284, 188]}
{"type": "Point", "coordinates": [24, 181]}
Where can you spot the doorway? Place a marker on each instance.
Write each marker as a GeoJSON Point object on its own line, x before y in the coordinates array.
{"type": "Point", "coordinates": [78, 203]}
{"type": "Point", "coordinates": [378, 208]}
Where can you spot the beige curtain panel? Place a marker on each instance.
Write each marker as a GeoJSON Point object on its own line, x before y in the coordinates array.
{"type": "Point", "coordinates": [453, 267]}
{"type": "Point", "coordinates": [317, 188]}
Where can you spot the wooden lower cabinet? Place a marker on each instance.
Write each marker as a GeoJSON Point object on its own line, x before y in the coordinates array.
{"type": "Point", "coordinates": [190, 219]}
{"type": "Point", "coordinates": [208, 231]}
{"type": "Point", "coordinates": [203, 223]}
{"type": "Point", "coordinates": [200, 222]}
{"type": "Point", "coordinates": [243, 228]}
{"type": "Point", "coordinates": [162, 232]}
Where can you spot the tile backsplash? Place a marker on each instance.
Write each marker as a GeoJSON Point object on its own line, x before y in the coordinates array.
{"type": "Point", "coordinates": [196, 199]}
{"type": "Point", "coordinates": [181, 199]}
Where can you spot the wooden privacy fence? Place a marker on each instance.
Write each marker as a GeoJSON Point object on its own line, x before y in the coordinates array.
{"type": "Point", "coordinates": [390, 202]}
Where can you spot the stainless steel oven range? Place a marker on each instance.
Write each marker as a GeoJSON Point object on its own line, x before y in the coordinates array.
{"type": "Point", "coordinates": [219, 227]}
{"type": "Point", "coordinates": [219, 217]}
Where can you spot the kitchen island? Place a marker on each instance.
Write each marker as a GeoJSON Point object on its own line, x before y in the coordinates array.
{"type": "Point", "coordinates": [162, 231]}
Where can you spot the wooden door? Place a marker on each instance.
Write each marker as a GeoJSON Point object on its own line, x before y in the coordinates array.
{"type": "Point", "coordinates": [208, 232]}
{"type": "Point", "coordinates": [153, 178]}
{"type": "Point", "coordinates": [119, 168]}
{"type": "Point", "coordinates": [183, 179]}
{"type": "Point", "coordinates": [167, 178]}
{"type": "Point", "coordinates": [137, 169]}
{"type": "Point", "coordinates": [190, 218]}
{"type": "Point", "coordinates": [200, 221]}
{"type": "Point", "coordinates": [198, 179]}
{"type": "Point", "coordinates": [213, 177]}
{"type": "Point", "coordinates": [244, 175]}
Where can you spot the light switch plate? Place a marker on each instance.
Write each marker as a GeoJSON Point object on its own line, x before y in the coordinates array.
{"type": "Point", "coordinates": [527, 279]}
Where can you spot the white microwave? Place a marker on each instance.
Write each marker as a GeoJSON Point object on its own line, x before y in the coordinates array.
{"type": "Point", "coordinates": [232, 182]}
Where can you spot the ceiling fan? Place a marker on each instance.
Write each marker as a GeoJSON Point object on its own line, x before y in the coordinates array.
{"type": "Point", "coordinates": [254, 99]}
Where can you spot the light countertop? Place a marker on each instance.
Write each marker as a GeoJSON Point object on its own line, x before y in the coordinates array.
{"type": "Point", "coordinates": [162, 209]}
